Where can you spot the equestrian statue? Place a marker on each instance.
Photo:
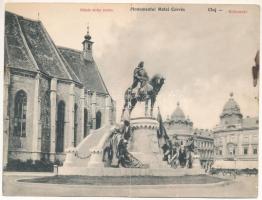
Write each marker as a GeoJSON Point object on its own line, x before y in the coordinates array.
{"type": "Point", "coordinates": [143, 89]}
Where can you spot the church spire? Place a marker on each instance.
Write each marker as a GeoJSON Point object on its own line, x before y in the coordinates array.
{"type": "Point", "coordinates": [87, 46]}
{"type": "Point", "coordinates": [87, 36]}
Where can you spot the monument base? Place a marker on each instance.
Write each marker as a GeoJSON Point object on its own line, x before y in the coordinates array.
{"type": "Point", "coordinates": [143, 145]}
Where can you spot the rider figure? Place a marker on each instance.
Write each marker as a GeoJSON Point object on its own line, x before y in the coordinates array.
{"type": "Point", "coordinates": [140, 77]}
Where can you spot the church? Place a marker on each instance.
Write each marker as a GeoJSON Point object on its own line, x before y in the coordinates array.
{"type": "Point", "coordinates": [53, 96]}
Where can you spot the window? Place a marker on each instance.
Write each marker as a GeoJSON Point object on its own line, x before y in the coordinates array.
{"type": "Point", "coordinates": [220, 152]}
{"type": "Point", "coordinates": [98, 119]}
{"type": "Point", "coordinates": [231, 149]}
{"type": "Point", "coordinates": [60, 123]}
{"type": "Point", "coordinates": [20, 114]}
{"type": "Point", "coordinates": [85, 122]}
{"type": "Point", "coordinates": [232, 138]}
{"type": "Point", "coordinates": [221, 141]}
{"type": "Point", "coordinates": [254, 139]}
{"type": "Point", "coordinates": [246, 139]}
{"type": "Point", "coordinates": [245, 150]}
{"type": "Point", "coordinates": [75, 125]}
{"type": "Point", "coordinates": [255, 150]}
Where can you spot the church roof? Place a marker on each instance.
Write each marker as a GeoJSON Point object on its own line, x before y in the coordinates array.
{"type": "Point", "coordinates": [178, 114]}
{"type": "Point", "coordinates": [16, 49]}
{"type": "Point", "coordinates": [29, 38]}
{"type": "Point", "coordinates": [86, 71]}
{"type": "Point", "coordinates": [231, 108]}
{"type": "Point", "coordinates": [29, 47]}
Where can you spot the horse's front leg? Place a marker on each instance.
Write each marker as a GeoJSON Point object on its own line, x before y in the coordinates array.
{"type": "Point", "coordinates": [153, 100]}
{"type": "Point", "coordinates": [123, 110]}
{"type": "Point", "coordinates": [133, 104]}
{"type": "Point", "coordinates": [146, 107]}
{"type": "Point", "coordinates": [187, 159]}
{"type": "Point", "coordinates": [122, 114]}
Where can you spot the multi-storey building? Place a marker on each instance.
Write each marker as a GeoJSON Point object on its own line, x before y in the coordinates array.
{"type": "Point", "coordinates": [180, 128]}
{"type": "Point", "coordinates": [236, 138]}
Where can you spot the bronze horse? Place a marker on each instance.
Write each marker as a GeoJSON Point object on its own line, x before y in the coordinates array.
{"type": "Point", "coordinates": [150, 89]}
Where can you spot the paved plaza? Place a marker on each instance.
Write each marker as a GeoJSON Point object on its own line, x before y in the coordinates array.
{"type": "Point", "coordinates": [239, 187]}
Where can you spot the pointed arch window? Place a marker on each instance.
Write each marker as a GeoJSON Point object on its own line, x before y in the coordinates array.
{"type": "Point", "coordinates": [75, 125]}
{"type": "Point", "coordinates": [20, 114]}
{"type": "Point", "coordinates": [85, 122]}
{"type": "Point", "coordinates": [98, 119]}
{"type": "Point", "coordinates": [60, 123]}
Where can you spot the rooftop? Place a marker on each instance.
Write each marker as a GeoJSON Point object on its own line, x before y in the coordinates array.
{"type": "Point", "coordinates": [29, 47]}
{"type": "Point", "coordinates": [231, 107]}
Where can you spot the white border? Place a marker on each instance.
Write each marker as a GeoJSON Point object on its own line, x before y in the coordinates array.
{"type": "Point", "coordinates": [256, 2]}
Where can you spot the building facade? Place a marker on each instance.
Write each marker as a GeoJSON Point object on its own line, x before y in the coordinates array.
{"type": "Point", "coordinates": [180, 128]}
{"type": "Point", "coordinates": [53, 95]}
{"type": "Point", "coordinates": [236, 138]}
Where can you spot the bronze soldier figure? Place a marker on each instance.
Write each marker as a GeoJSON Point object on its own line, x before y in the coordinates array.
{"type": "Point", "coordinates": [140, 78]}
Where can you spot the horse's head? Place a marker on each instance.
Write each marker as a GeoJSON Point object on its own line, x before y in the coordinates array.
{"type": "Point", "coordinates": [161, 81]}
{"type": "Point", "coordinates": [157, 81]}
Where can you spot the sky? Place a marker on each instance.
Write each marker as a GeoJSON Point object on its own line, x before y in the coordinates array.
{"type": "Point", "coordinates": [204, 56]}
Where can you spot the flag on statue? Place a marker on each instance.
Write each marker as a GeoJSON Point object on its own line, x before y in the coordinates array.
{"type": "Point", "coordinates": [161, 131]}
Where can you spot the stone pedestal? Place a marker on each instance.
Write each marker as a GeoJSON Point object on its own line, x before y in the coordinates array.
{"type": "Point", "coordinates": [96, 159]}
{"type": "Point", "coordinates": [144, 143]}
{"type": "Point", "coordinates": [70, 156]}
{"type": "Point", "coordinates": [196, 161]}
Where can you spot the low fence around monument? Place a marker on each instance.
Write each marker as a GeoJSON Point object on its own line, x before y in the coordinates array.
{"type": "Point", "coordinates": [247, 171]}
{"type": "Point", "coordinates": [99, 171]}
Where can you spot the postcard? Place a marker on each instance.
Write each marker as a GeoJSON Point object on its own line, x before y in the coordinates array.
{"type": "Point", "coordinates": [131, 100]}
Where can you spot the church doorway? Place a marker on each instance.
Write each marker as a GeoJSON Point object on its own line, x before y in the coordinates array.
{"type": "Point", "coordinates": [98, 119]}
{"type": "Point", "coordinates": [60, 123]}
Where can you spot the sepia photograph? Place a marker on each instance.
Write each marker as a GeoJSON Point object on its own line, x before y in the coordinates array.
{"type": "Point", "coordinates": [131, 100]}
